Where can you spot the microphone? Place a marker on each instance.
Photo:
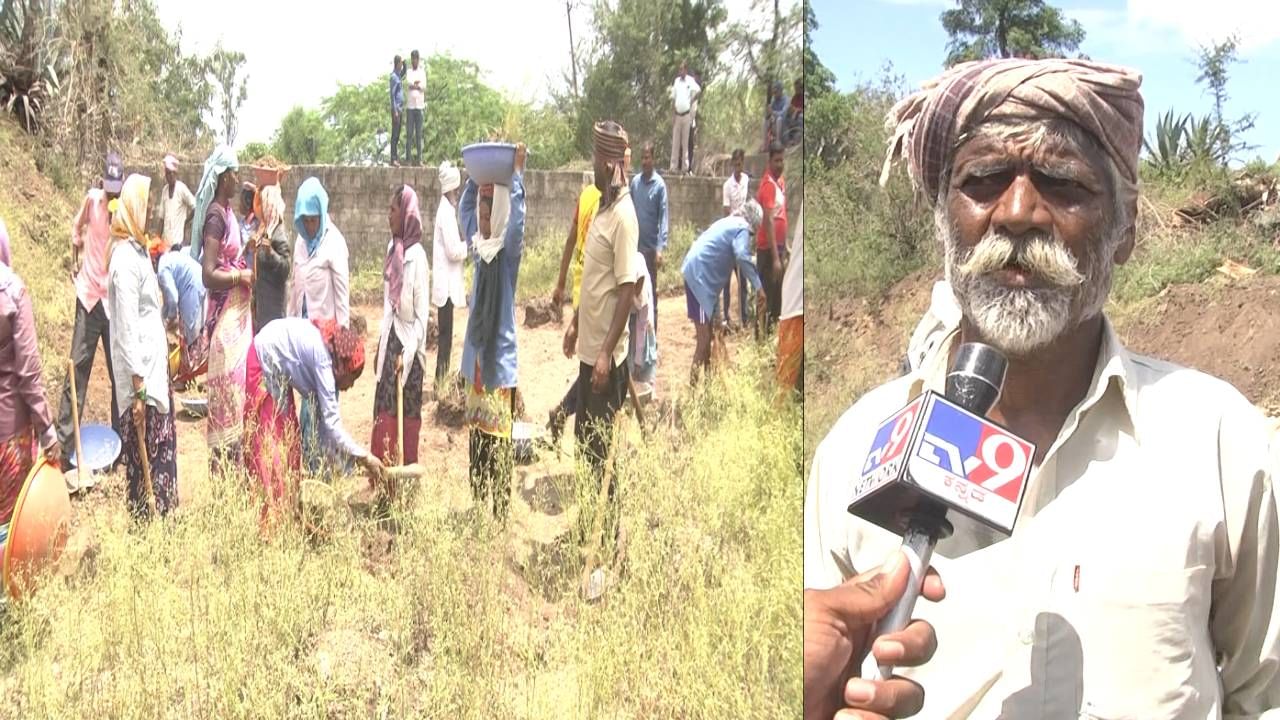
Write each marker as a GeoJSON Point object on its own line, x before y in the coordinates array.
{"type": "Point", "coordinates": [941, 454]}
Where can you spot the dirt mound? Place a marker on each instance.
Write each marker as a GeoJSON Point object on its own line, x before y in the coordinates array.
{"type": "Point", "coordinates": [1229, 331]}
{"type": "Point", "coordinates": [541, 312]}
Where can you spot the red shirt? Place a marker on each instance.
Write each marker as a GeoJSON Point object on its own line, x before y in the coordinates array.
{"type": "Point", "coordinates": [773, 192]}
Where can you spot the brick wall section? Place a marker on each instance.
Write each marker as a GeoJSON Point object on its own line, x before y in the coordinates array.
{"type": "Point", "coordinates": [359, 198]}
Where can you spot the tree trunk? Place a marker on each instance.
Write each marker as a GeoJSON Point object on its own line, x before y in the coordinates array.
{"type": "Point", "coordinates": [573, 55]}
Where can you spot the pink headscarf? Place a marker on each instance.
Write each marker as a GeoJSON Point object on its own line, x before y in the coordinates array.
{"type": "Point", "coordinates": [411, 222]}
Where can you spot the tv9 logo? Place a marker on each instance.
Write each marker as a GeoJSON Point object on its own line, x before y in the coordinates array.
{"type": "Point", "coordinates": [967, 447]}
{"type": "Point", "coordinates": [893, 437]}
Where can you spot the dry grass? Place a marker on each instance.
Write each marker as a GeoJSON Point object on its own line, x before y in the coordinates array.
{"type": "Point", "coordinates": [438, 613]}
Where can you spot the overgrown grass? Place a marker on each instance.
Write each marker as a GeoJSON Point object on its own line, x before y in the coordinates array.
{"type": "Point", "coordinates": [1169, 257]}
{"type": "Point", "coordinates": [540, 265]}
{"type": "Point", "coordinates": [196, 617]}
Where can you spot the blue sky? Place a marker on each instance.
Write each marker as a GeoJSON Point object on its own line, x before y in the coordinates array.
{"type": "Point", "coordinates": [1158, 37]}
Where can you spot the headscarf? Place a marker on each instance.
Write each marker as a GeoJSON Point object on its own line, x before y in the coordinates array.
{"type": "Point", "coordinates": [170, 163]}
{"type": "Point", "coordinates": [1102, 99]}
{"type": "Point", "coordinates": [256, 205]}
{"type": "Point", "coordinates": [449, 177]}
{"type": "Point", "coordinates": [344, 344]}
{"type": "Point", "coordinates": [611, 146]}
{"type": "Point", "coordinates": [5, 258]}
{"type": "Point", "coordinates": [411, 222]}
{"type": "Point", "coordinates": [753, 214]}
{"type": "Point", "coordinates": [272, 202]}
{"type": "Point", "coordinates": [222, 160]}
{"type": "Point", "coordinates": [482, 322]}
{"type": "Point", "coordinates": [130, 218]}
{"type": "Point", "coordinates": [311, 200]}
{"type": "Point", "coordinates": [489, 247]}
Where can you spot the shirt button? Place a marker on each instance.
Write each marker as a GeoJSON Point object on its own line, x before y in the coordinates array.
{"type": "Point", "coordinates": [1027, 637]}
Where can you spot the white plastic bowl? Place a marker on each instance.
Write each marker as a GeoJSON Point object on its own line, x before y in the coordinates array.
{"type": "Point", "coordinates": [490, 162]}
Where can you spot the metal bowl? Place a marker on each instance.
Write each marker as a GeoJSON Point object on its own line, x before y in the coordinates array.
{"type": "Point", "coordinates": [524, 438]}
{"type": "Point", "coordinates": [490, 162]}
{"type": "Point", "coordinates": [197, 406]}
{"type": "Point", "coordinates": [101, 447]}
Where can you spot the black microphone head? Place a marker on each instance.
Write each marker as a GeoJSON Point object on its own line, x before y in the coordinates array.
{"type": "Point", "coordinates": [976, 377]}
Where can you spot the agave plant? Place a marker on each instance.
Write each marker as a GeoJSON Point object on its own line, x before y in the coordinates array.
{"type": "Point", "coordinates": [28, 58]}
{"type": "Point", "coordinates": [1167, 155]}
{"type": "Point", "coordinates": [1208, 140]}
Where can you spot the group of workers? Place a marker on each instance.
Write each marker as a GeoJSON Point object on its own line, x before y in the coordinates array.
{"type": "Point", "coordinates": [264, 319]}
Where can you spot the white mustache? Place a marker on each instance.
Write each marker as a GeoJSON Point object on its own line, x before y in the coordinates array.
{"type": "Point", "coordinates": [1045, 258]}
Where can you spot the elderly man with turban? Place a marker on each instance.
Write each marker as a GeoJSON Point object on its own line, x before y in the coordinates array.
{"type": "Point", "coordinates": [493, 217]}
{"type": "Point", "coordinates": [448, 253]}
{"type": "Point", "coordinates": [1140, 579]}
{"type": "Point", "coordinates": [600, 323]}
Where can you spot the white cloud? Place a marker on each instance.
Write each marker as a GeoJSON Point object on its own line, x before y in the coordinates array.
{"type": "Point", "coordinates": [298, 53]}
{"type": "Point", "coordinates": [1197, 22]}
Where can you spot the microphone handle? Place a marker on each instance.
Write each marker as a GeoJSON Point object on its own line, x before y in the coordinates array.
{"type": "Point", "coordinates": [917, 544]}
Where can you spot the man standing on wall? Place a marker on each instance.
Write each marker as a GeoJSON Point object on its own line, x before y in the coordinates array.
{"type": "Point", "coordinates": [90, 237]}
{"type": "Point", "coordinates": [693, 120]}
{"type": "Point", "coordinates": [397, 107]}
{"type": "Point", "coordinates": [684, 93]}
{"type": "Point", "coordinates": [649, 195]}
{"type": "Point", "coordinates": [416, 78]}
{"type": "Point", "coordinates": [176, 205]}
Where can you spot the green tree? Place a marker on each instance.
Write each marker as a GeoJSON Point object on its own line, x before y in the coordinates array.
{"type": "Point", "coordinates": [356, 114]}
{"type": "Point", "coordinates": [768, 41]}
{"type": "Point", "coordinates": [254, 150]}
{"type": "Point", "coordinates": [225, 66]}
{"type": "Point", "coordinates": [981, 29]}
{"type": "Point", "coordinates": [818, 80]}
{"type": "Point", "coordinates": [304, 138]}
{"type": "Point", "coordinates": [1220, 140]}
{"type": "Point", "coordinates": [638, 48]}
{"type": "Point", "coordinates": [460, 108]}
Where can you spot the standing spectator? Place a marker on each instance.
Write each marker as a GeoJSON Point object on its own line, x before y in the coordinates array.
{"type": "Point", "coordinates": [771, 243]}
{"type": "Point", "coordinates": [649, 196]}
{"type": "Point", "coordinates": [176, 206]}
{"type": "Point", "coordinates": [91, 234]}
{"type": "Point", "coordinates": [693, 120]}
{"type": "Point", "coordinates": [397, 107]}
{"type": "Point", "coordinates": [684, 93]}
{"type": "Point", "coordinates": [775, 113]}
{"type": "Point", "coordinates": [448, 253]}
{"type": "Point", "coordinates": [416, 77]}
{"type": "Point", "coordinates": [795, 116]}
{"type": "Point", "coordinates": [736, 192]}
{"type": "Point", "coordinates": [609, 273]}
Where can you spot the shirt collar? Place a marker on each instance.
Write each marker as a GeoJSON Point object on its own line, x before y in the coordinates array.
{"type": "Point", "coordinates": [1114, 372]}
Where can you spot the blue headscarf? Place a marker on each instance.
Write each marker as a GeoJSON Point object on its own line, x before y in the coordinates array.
{"type": "Point", "coordinates": [222, 159]}
{"type": "Point", "coordinates": [311, 200]}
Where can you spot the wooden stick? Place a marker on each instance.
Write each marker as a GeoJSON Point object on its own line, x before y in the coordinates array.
{"type": "Point", "coordinates": [635, 405]}
{"type": "Point", "coordinates": [141, 422]}
{"type": "Point", "coordinates": [75, 419]}
{"type": "Point", "coordinates": [399, 418]}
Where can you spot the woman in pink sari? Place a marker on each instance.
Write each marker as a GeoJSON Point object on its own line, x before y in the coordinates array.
{"type": "Point", "coordinates": [228, 316]}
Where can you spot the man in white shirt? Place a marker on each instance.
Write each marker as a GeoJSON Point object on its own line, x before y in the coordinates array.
{"type": "Point", "coordinates": [176, 205]}
{"type": "Point", "coordinates": [737, 188]}
{"type": "Point", "coordinates": [684, 92]}
{"type": "Point", "coordinates": [1140, 579]}
{"type": "Point", "coordinates": [448, 253]}
{"type": "Point", "coordinates": [415, 87]}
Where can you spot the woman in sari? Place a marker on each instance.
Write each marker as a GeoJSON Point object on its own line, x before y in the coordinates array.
{"type": "Point", "coordinates": [493, 217]}
{"type": "Point", "coordinates": [228, 329]}
{"type": "Point", "coordinates": [139, 358]}
{"type": "Point", "coordinates": [24, 416]}
{"type": "Point", "coordinates": [320, 289]}
{"type": "Point", "coordinates": [402, 347]}
{"type": "Point", "coordinates": [317, 358]}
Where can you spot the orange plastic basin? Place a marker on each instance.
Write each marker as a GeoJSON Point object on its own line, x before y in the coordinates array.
{"type": "Point", "coordinates": [38, 530]}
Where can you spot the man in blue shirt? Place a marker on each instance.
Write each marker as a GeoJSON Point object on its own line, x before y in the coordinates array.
{"type": "Point", "coordinates": [182, 287]}
{"type": "Point", "coordinates": [649, 195]}
{"type": "Point", "coordinates": [397, 107]}
{"type": "Point", "coordinates": [721, 248]}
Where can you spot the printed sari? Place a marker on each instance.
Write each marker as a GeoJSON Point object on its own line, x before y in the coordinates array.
{"type": "Point", "coordinates": [229, 330]}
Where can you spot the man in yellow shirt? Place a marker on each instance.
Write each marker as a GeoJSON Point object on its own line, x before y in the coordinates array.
{"type": "Point", "coordinates": [571, 258]}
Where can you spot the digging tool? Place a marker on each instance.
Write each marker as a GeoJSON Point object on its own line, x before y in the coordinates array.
{"type": "Point", "coordinates": [141, 422]}
{"type": "Point", "coordinates": [75, 419]}
{"type": "Point", "coordinates": [399, 416]}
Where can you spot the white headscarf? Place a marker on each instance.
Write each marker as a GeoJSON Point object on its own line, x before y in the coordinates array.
{"type": "Point", "coordinates": [449, 177]}
{"type": "Point", "coordinates": [487, 247]}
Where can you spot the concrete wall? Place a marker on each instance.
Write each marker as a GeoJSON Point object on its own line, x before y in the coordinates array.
{"type": "Point", "coordinates": [359, 197]}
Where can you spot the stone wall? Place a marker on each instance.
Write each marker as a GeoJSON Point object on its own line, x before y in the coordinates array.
{"type": "Point", "coordinates": [359, 198]}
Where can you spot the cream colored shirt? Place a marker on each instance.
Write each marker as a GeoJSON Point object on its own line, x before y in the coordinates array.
{"type": "Point", "coordinates": [608, 260]}
{"type": "Point", "coordinates": [175, 210]}
{"type": "Point", "coordinates": [1140, 579]}
{"type": "Point", "coordinates": [410, 322]}
{"type": "Point", "coordinates": [322, 282]}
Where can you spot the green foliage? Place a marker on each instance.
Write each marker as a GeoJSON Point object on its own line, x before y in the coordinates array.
{"type": "Point", "coordinates": [1008, 28]}
{"type": "Point", "coordinates": [29, 59]}
{"type": "Point", "coordinates": [225, 66]}
{"type": "Point", "coordinates": [768, 42]}
{"type": "Point", "coordinates": [545, 129]}
{"type": "Point", "coordinates": [1166, 156]}
{"type": "Point", "coordinates": [818, 80]}
{"type": "Point", "coordinates": [728, 117]}
{"type": "Point", "coordinates": [638, 50]}
{"type": "Point", "coordinates": [253, 151]}
{"type": "Point", "coordinates": [1169, 257]}
{"type": "Point", "coordinates": [1221, 138]}
{"type": "Point", "coordinates": [305, 139]}
{"type": "Point", "coordinates": [359, 120]}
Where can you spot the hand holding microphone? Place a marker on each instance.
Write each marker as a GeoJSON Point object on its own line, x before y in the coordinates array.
{"type": "Point", "coordinates": [838, 631]}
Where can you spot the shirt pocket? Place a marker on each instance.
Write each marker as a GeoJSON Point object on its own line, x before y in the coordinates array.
{"type": "Point", "coordinates": [1140, 633]}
